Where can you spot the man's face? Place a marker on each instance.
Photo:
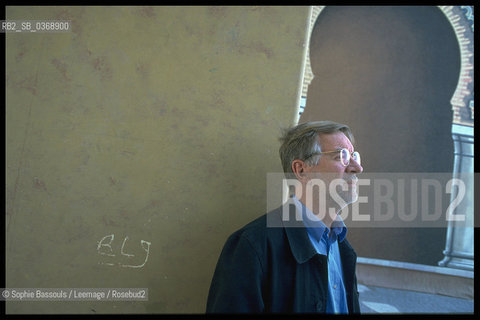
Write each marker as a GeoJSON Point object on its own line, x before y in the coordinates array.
{"type": "Point", "coordinates": [330, 167]}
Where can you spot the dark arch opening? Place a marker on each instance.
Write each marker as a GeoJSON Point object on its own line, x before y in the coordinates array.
{"type": "Point", "coordinates": [389, 73]}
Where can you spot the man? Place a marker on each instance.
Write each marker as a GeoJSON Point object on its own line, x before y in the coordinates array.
{"type": "Point", "coordinates": [296, 258]}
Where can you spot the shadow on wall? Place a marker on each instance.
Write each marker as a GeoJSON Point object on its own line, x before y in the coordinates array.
{"type": "Point", "coordinates": [389, 73]}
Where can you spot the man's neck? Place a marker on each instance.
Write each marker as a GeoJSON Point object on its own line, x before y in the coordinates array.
{"type": "Point", "coordinates": [327, 212]}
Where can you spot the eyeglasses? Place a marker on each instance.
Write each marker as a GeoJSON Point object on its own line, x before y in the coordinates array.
{"type": "Point", "coordinates": [345, 156]}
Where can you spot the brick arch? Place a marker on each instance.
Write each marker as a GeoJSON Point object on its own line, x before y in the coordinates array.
{"type": "Point", "coordinates": [461, 20]}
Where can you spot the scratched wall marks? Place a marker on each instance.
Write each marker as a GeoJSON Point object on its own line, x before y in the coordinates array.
{"type": "Point", "coordinates": [107, 247]}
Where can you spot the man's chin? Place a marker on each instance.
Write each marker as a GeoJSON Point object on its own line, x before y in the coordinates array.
{"type": "Point", "coordinates": [350, 196]}
{"type": "Point", "coordinates": [354, 197]}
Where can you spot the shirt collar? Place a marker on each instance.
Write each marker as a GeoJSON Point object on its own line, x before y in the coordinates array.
{"type": "Point", "coordinates": [315, 227]}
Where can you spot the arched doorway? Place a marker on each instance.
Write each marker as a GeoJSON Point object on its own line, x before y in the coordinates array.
{"type": "Point", "coordinates": [389, 73]}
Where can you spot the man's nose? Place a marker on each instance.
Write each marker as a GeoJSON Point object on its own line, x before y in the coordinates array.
{"type": "Point", "coordinates": [354, 167]}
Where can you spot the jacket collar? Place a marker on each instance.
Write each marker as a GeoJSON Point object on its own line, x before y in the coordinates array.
{"type": "Point", "coordinates": [302, 248]}
{"type": "Point", "coordinates": [298, 239]}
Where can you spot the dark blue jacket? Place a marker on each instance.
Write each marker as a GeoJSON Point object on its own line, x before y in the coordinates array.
{"type": "Point", "coordinates": [276, 269]}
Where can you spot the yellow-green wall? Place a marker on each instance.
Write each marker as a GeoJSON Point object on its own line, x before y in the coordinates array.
{"type": "Point", "coordinates": [155, 124]}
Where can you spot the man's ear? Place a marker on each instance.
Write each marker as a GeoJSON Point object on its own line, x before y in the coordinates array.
{"type": "Point", "coordinates": [298, 168]}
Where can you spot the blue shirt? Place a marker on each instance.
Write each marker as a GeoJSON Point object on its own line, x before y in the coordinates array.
{"type": "Point", "coordinates": [326, 243]}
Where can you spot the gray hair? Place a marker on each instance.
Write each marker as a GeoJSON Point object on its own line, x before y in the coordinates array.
{"type": "Point", "coordinates": [301, 141]}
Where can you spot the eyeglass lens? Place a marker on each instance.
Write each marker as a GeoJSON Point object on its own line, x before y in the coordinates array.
{"type": "Point", "coordinates": [345, 157]}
